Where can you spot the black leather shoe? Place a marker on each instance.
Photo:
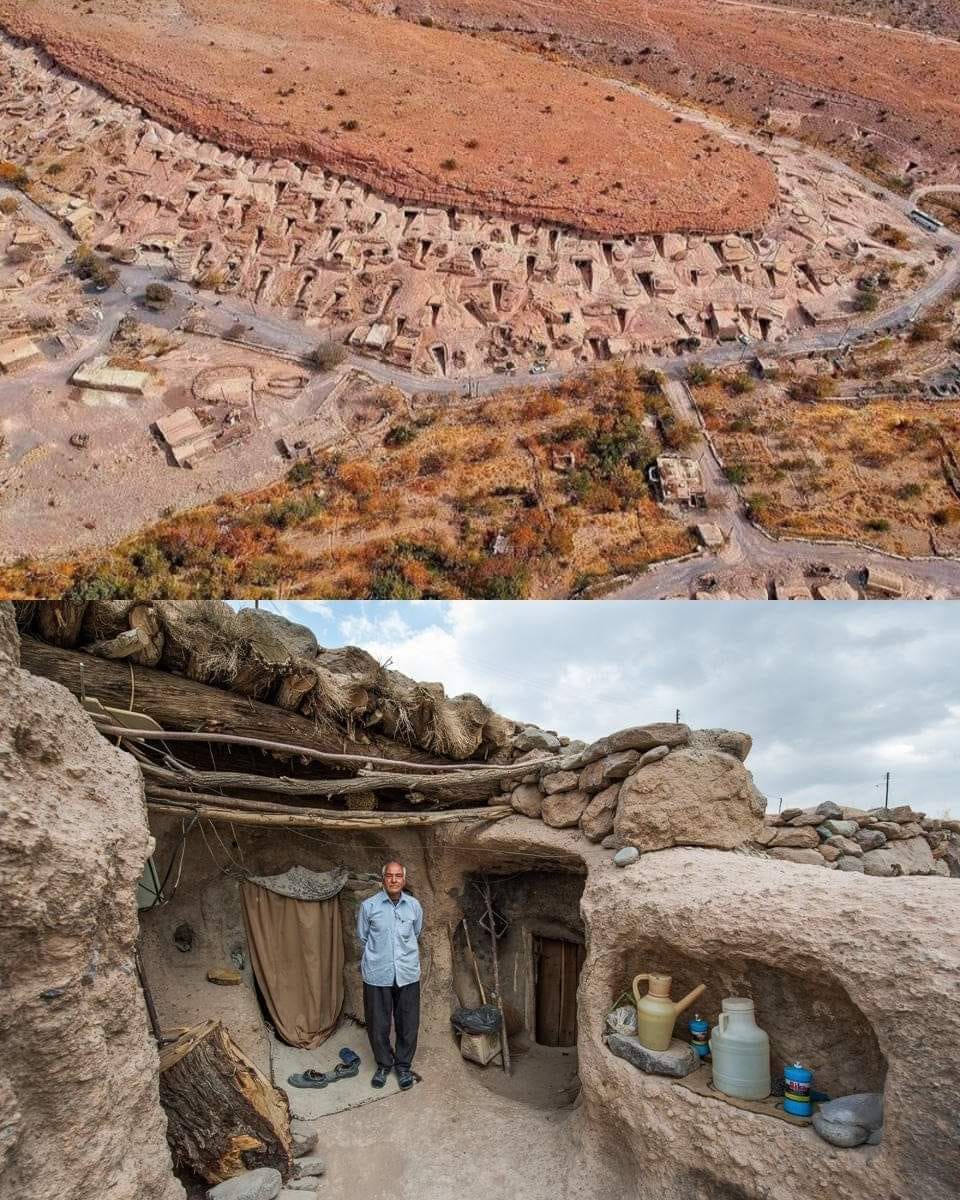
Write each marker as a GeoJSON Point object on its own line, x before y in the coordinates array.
{"type": "Point", "coordinates": [404, 1078]}
{"type": "Point", "coordinates": [379, 1077]}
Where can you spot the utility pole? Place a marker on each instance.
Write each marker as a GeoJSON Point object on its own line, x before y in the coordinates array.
{"type": "Point", "coordinates": [886, 795]}
{"type": "Point", "coordinates": [677, 718]}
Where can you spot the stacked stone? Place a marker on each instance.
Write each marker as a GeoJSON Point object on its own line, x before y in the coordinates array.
{"type": "Point", "coordinates": [643, 788]}
{"type": "Point", "coordinates": [879, 841]}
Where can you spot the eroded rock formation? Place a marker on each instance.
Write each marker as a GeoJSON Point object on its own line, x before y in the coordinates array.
{"type": "Point", "coordinates": [855, 977]}
{"type": "Point", "coordinates": [79, 1113]}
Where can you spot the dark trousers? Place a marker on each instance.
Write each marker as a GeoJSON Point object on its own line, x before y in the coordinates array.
{"type": "Point", "coordinates": [402, 1004]}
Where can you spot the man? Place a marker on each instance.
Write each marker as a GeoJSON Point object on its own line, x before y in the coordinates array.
{"type": "Point", "coordinates": [389, 925]}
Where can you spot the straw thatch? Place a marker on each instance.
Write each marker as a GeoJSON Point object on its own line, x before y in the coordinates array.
{"type": "Point", "coordinates": [268, 658]}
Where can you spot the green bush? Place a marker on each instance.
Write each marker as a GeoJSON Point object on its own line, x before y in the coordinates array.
{"type": "Point", "coordinates": [699, 374]}
{"type": "Point", "coordinates": [400, 435]}
{"type": "Point", "coordinates": [301, 472]}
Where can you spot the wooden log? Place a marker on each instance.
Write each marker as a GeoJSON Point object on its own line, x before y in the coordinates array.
{"type": "Point", "coordinates": [223, 1116]}
{"type": "Point", "coordinates": [185, 704]}
{"type": "Point", "coordinates": [168, 799]}
{"type": "Point", "coordinates": [451, 787]}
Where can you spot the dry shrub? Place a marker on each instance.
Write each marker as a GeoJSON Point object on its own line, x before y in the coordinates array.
{"type": "Point", "coordinates": [434, 463]}
{"type": "Point", "coordinates": [360, 479]}
{"type": "Point", "coordinates": [416, 575]}
{"type": "Point", "coordinates": [486, 450]}
{"type": "Point", "coordinates": [541, 406]}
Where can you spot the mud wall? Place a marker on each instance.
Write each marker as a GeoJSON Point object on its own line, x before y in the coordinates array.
{"type": "Point", "coordinates": [79, 1108]}
{"type": "Point", "coordinates": [207, 900]}
{"type": "Point", "coordinates": [855, 976]}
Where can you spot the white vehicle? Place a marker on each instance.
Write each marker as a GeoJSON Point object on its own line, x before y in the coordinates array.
{"type": "Point", "coordinates": [538, 368]}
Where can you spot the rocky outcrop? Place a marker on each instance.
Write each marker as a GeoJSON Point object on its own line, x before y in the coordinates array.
{"type": "Point", "coordinates": [79, 1107]}
{"type": "Point", "coordinates": [693, 797]}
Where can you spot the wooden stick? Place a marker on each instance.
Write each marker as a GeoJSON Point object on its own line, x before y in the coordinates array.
{"type": "Point", "coordinates": [147, 997]}
{"type": "Point", "coordinates": [314, 821]}
{"type": "Point", "coordinates": [453, 786]}
{"type": "Point", "coordinates": [473, 959]}
{"type": "Point", "coordinates": [504, 1047]}
{"type": "Point", "coordinates": [230, 739]}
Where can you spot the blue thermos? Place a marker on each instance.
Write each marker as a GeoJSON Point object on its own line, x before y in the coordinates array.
{"type": "Point", "coordinates": [796, 1090]}
{"type": "Point", "coordinates": [699, 1033]}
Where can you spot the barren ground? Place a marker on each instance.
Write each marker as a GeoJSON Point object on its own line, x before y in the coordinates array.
{"type": "Point", "coordinates": [941, 17]}
{"type": "Point", "coordinates": [882, 95]}
{"type": "Point", "coordinates": [415, 112]}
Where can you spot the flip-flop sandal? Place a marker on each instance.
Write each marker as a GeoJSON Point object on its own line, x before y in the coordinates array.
{"type": "Point", "coordinates": [309, 1079]}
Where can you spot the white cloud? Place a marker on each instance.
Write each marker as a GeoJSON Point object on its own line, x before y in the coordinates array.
{"type": "Point", "coordinates": [833, 695]}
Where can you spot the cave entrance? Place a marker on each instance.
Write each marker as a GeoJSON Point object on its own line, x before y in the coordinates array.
{"type": "Point", "coordinates": [556, 972]}
{"type": "Point", "coordinates": [540, 951]}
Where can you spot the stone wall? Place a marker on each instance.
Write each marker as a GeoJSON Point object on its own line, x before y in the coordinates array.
{"type": "Point", "coordinates": [884, 842]}
{"type": "Point", "coordinates": [79, 1109]}
{"type": "Point", "coordinates": [649, 787]}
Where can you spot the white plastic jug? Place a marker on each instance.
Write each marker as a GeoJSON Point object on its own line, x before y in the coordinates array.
{"type": "Point", "coordinates": [740, 1051]}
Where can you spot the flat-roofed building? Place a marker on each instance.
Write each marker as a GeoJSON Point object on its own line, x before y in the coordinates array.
{"type": "Point", "coordinates": [680, 480]}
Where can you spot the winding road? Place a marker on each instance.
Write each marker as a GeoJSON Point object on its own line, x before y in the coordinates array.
{"type": "Point", "coordinates": [747, 547]}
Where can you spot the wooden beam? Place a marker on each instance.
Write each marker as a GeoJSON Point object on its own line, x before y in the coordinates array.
{"type": "Point", "coordinates": [184, 704]}
{"type": "Point", "coordinates": [451, 787]}
{"type": "Point", "coordinates": [230, 739]}
{"type": "Point", "coordinates": [313, 820]}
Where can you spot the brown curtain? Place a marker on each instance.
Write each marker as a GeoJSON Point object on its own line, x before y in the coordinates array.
{"type": "Point", "coordinates": [296, 948]}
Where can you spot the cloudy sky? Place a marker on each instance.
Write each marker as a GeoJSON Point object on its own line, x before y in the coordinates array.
{"type": "Point", "coordinates": [834, 695]}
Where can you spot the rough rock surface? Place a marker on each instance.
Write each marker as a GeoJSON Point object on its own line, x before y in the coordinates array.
{"type": "Point", "coordinates": [881, 863]}
{"type": "Point", "coordinates": [78, 1064]}
{"type": "Point", "coordinates": [558, 781]}
{"type": "Point", "coordinates": [913, 855]}
{"type": "Point", "coordinates": [608, 769]}
{"type": "Point", "coordinates": [564, 809]}
{"type": "Point", "coordinates": [527, 799]}
{"type": "Point", "coordinates": [262, 1184]}
{"type": "Point", "coordinates": [730, 741]}
{"type": "Point", "coordinates": [802, 838]}
{"type": "Point", "coordinates": [797, 972]}
{"type": "Point", "coordinates": [598, 816]}
{"type": "Point", "coordinates": [791, 854]}
{"type": "Point", "coordinates": [692, 797]}
{"type": "Point", "coordinates": [678, 1060]}
{"type": "Point", "coordinates": [638, 737]}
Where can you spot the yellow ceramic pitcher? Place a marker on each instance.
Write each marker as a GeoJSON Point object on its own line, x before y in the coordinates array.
{"type": "Point", "coordinates": [657, 1013]}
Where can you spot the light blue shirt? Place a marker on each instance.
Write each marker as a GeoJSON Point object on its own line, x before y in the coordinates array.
{"type": "Point", "coordinates": [389, 933]}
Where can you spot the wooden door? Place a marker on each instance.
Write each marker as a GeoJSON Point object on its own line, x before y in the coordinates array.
{"type": "Point", "coordinates": [556, 972]}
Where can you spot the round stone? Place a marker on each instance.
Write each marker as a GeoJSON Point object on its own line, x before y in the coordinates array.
{"type": "Point", "coordinates": [626, 856]}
